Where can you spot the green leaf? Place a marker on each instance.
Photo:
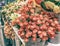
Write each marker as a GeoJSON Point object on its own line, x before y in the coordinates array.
{"type": "Point", "coordinates": [44, 7]}
{"type": "Point", "coordinates": [28, 12]}
{"type": "Point", "coordinates": [39, 24]}
{"type": "Point", "coordinates": [28, 19]}
{"type": "Point", "coordinates": [17, 26]}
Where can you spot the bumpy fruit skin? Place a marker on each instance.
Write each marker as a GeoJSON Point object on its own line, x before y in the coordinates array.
{"type": "Point", "coordinates": [38, 1]}
{"type": "Point", "coordinates": [8, 31]}
{"type": "Point", "coordinates": [26, 40]}
{"type": "Point", "coordinates": [34, 39]}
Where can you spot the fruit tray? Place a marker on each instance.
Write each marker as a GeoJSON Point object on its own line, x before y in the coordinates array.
{"type": "Point", "coordinates": [30, 43]}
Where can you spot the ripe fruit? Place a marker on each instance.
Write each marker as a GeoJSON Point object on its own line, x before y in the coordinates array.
{"type": "Point", "coordinates": [33, 24]}
{"type": "Point", "coordinates": [38, 1]}
{"type": "Point", "coordinates": [34, 39]}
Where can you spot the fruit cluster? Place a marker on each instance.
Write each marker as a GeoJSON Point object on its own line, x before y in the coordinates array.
{"type": "Point", "coordinates": [35, 25]}
{"type": "Point", "coordinates": [8, 31]}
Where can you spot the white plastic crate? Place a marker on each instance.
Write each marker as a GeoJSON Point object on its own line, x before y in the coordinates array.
{"type": "Point", "coordinates": [56, 40]}
{"type": "Point", "coordinates": [30, 43]}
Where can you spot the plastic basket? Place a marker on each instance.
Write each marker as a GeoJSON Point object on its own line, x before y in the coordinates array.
{"type": "Point", "coordinates": [30, 42]}
{"type": "Point", "coordinates": [56, 40]}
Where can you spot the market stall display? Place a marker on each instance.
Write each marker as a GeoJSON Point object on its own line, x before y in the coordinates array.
{"type": "Point", "coordinates": [31, 21]}
{"type": "Point", "coordinates": [35, 23]}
